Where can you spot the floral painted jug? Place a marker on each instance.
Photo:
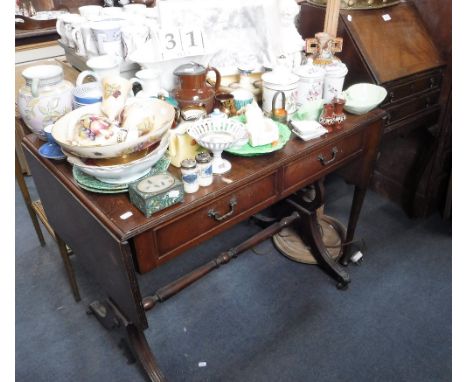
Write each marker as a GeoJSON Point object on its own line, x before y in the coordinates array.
{"type": "Point", "coordinates": [44, 98]}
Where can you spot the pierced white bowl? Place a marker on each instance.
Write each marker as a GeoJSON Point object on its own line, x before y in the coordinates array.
{"type": "Point", "coordinates": [216, 135]}
{"type": "Point", "coordinates": [122, 173]}
{"type": "Point", "coordinates": [362, 98]}
{"type": "Point", "coordinates": [63, 131]}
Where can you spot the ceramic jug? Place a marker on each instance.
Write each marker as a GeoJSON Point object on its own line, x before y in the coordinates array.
{"type": "Point", "coordinates": [181, 145]}
{"type": "Point", "coordinates": [150, 82]}
{"type": "Point", "coordinates": [193, 88]}
{"type": "Point", "coordinates": [44, 98]}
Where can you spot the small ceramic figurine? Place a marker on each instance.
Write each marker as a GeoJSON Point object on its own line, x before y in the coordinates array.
{"type": "Point", "coordinates": [327, 118]}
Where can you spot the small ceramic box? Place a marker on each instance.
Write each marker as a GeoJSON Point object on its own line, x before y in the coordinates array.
{"type": "Point", "coordinates": [156, 192]}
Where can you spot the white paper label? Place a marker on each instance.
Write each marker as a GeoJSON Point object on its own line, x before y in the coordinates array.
{"type": "Point", "coordinates": [126, 215]}
{"type": "Point", "coordinates": [350, 18]}
{"type": "Point", "coordinates": [386, 17]}
{"type": "Point", "coordinates": [173, 193]}
{"type": "Point", "coordinates": [176, 43]}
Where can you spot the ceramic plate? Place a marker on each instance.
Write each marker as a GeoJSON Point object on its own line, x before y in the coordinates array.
{"type": "Point", "coordinates": [90, 183]}
{"type": "Point", "coordinates": [247, 150]}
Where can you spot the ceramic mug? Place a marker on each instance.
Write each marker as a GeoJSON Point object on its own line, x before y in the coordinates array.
{"type": "Point", "coordinates": [85, 35]}
{"type": "Point", "coordinates": [90, 11]}
{"type": "Point", "coordinates": [64, 26]}
{"type": "Point", "coordinates": [101, 66]}
{"type": "Point", "coordinates": [134, 37]}
{"type": "Point", "coordinates": [112, 11]}
{"type": "Point", "coordinates": [150, 81]}
{"type": "Point", "coordinates": [107, 36]}
{"type": "Point", "coordinates": [136, 9]}
{"type": "Point", "coordinates": [78, 40]}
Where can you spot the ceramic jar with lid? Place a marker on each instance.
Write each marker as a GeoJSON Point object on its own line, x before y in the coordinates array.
{"type": "Point", "coordinates": [310, 87]}
{"type": "Point", "coordinates": [335, 74]}
{"type": "Point", "coordinates": [44, 98]}
{"type": "Point", "coordinates": [193, 88]}
{"type": "Point", "coordinates": [280, 79]}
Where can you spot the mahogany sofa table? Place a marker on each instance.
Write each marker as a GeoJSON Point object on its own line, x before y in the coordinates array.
{"type": "Point", "coordinates": [113, 247]}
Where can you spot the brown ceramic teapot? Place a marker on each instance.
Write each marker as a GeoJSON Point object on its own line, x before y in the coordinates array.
{"type": "Point", "coordinates": [193, 88]}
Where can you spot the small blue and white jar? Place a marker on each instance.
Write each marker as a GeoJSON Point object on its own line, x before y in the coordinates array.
{"type": "Point", "coordinates": [189, 170]}
{"type": "Point", "coordinates": [205, 168]}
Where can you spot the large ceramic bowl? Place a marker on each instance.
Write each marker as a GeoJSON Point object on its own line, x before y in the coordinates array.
{"type": "Point", "coordinates": [64, 131]}
{"type": "Point", "coordinates": [362, 98]}
{"type": "Point", "coordinates": [124, 173]}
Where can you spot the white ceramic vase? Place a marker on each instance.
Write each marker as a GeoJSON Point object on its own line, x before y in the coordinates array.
{"type": "Point", "coordinates": [44, 98]}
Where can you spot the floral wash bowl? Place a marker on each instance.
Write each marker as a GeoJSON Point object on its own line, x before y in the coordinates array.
{"type": "Point", "coordinates": [124, 173]}
{"type": "Point", "coordinates": [64, 131]}
{"type": "Point", "coordinates": [362, 98]}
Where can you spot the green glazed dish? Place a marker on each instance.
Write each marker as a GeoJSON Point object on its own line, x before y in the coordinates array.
{"type": "Point", "coordinates": [248, 151]}
{"type": "Point", "coordinates": [90, 183]}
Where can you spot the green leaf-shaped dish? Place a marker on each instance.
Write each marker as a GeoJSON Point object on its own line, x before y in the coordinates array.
{"type": "Point", "coordinates": [248, 151]}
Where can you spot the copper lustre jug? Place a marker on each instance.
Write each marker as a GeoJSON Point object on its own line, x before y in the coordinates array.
{"type": "Point", "coordinates": [193, 88]}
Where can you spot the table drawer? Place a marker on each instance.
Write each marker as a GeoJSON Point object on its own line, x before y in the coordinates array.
{"type": "Point", "coordinates": [405, 89]}
{"type": "Point", "coordinates": [321, 161]}
{"type": "Point", "coordinates": [204, 222]}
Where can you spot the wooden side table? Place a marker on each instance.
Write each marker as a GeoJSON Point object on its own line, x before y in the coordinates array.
{"type": "Point", "coordinates": [113, 240]}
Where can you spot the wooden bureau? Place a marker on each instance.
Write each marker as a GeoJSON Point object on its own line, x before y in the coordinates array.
{"type": "Point", "coordinates": [392, 47]}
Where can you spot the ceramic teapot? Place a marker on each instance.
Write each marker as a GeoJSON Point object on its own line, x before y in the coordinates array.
{"type": "Point", "coordinates": [193, 88]}
{"type": "Point", "coordinates": [44, 98]}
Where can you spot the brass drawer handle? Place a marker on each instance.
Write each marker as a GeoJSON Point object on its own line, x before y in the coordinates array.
{"type": "Point", "coordinates": [216, 216]}
{"type": "Point", "coordinates": [332, 159]}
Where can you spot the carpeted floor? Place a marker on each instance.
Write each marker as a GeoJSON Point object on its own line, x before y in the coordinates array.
{"type": "Point", "coordinates": [260, 318]}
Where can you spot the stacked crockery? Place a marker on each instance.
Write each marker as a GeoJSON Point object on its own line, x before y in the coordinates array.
{"type": "Point", "coordinates": [117, 140]}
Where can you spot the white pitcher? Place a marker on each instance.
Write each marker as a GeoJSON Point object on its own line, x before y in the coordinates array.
{"type": "Point", "coordinates": [149, 80]}
{"type": "Point", "coordinates": [101, 66]}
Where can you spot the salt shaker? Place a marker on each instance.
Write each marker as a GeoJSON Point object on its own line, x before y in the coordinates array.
{"type": "Point", "coordinates": [188, 167]}
{"type": "Point", "coordinates": [205, 168]}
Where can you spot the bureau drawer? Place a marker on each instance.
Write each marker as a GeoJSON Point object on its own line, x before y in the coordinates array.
{"type": "Point", "coordinates": [414, 106]}
{"type": "Point", "coordinates": [405, 89]}
{"type": "Point", "coordinates": [163, 243]}
{"type": "Point", "coordinates": [320, 162]}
